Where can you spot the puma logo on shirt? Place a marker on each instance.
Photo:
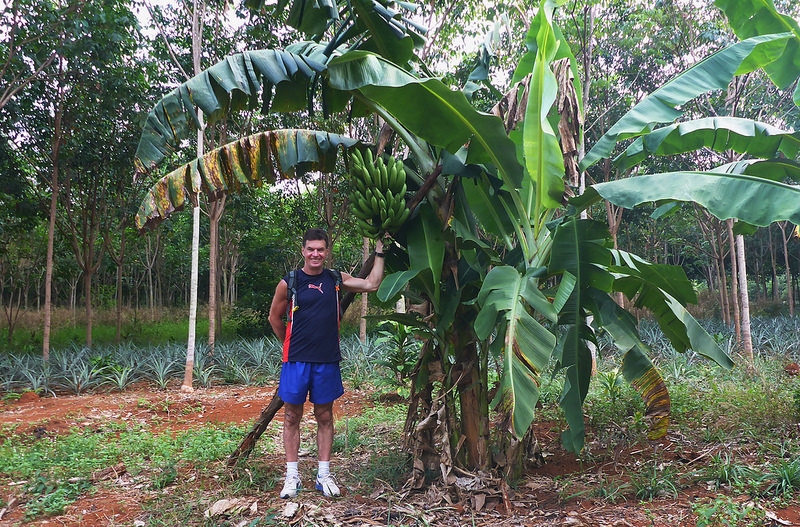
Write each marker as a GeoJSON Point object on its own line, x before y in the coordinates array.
{"type": "Point", "coordinates": [317, 287]}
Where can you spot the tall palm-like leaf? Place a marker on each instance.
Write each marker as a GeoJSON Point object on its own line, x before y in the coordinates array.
{"type": "Point", "coordinates": [720, 134]}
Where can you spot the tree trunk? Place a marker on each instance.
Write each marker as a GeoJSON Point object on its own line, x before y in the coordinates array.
{"type": "Point", "coordinates": [215, 210]}
{"type": "Point", "coordinates": [362, 323]}
{"type": "Point", "coordinates": [11, 309]}
{"type": "Point", "coordinates": [773, 261]}
{"type": "Point", "coordinates": [747, 339]}
{"type": "Point", "coordinates": [468, 376]}
{"type": "Point", "coordinates": [734, 283]}
{"type": "Point", "coordinates": [785, 239]}
{"type": "Point", "coordinates": [723, 277]}
{"type": "Point", "coordinates": [197, 35]}
{"type": "Point", "coordinates": [51, 225]}
{"type": "Point", "coordinates": [120, 260]}
{"type": "Point", "coordinates": [186, 386]}
{"type": "Point", "coordinates": [87, 306]}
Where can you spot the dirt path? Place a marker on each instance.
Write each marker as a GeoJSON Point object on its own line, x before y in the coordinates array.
{"type": "Point", "coordinates": [543, 498]}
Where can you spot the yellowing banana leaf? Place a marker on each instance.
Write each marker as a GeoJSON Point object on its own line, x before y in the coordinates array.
{"type": "Point", "coordinates": [251, 161]}
{"type": "Point", "coordinates": [636, 366]}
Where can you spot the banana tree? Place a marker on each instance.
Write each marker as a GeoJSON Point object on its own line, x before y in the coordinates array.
{"type": "Point", "coordinates": [758, 188]}
{"type": "Point", "coordinates": [490, 233]}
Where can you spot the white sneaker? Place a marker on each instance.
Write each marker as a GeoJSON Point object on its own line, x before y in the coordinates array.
{"type": "Point", "coordinates": [328, 485]}
{"type": "Point", "coordinates": [291, 486]}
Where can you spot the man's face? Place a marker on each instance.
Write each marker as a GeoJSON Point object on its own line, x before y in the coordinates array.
{"type": "Point", "coordinates": [314, 253]}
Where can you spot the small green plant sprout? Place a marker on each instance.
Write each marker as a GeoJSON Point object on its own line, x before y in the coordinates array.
{"type": "Point", "coordinates": [612, 383]}
{"type": "Point", "coordinates": [784, 478]}
{"type": "Point", "coordinates": [724, 511]}
{"type": "Point", "coordinates": [724, 470]}
{"type": "Point", "coordinates": [655, 482]}
{"type": "Point", "coordinates": [165, 476]}
{"type": "Point", "coordinates": [400, 350]}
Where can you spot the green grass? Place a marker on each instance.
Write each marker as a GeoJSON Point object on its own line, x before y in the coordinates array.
{"type": "Point", "coordinates": [58, 469]}
{"type": "Point", "coordinates": [745, 422]}
{"type": "Point", "coordinates": [374, 426]}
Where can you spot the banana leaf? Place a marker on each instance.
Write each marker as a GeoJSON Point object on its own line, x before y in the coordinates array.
{"type": "Point", "coordinates": [717, 133]}
{"type": "Point", "coordinates": [373, 25]}
{"type": "Point", "coordinates": [543, 157]}
{"type": "Point", "coordinates": [579, 250]}
{"type": "Point", "coordinates": [712, 73]}
{"type": "Point", "coordinates": [637, 368]}
{"type": "Point", "coordinates": [755, 200]}
{"type": "Point", "coordinates": [251, 161]}
{"type": "Point", "coordinates": [243, 80]}
{"type": "Point", "coordinates": [749, 18]}
{"type": "Point", "coordinates": [663, 290]}
{"type": "Point", "coordinates": [429, 109]}
{"type": "Point", "coordinates": [507, 297]}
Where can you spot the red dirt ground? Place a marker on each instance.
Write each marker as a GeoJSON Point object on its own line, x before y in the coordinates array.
{"type": "Point", "coordinates": [542, 499]}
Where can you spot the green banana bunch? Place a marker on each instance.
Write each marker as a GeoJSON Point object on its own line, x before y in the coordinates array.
{"type": "Point", "coordinates": [378, 200]}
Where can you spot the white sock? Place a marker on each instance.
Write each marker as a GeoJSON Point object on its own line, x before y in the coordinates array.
{"type": "Point", "coordinates": [324, 469]}
{"type": "Point", "coordinates": [291, 468]}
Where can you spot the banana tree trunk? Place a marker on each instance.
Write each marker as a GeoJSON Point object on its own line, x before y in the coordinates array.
{"type": "Point", "coordinates": [470, 380]}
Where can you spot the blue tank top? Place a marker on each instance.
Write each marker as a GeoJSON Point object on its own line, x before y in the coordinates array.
{"type": "Point", "coordinates": [312, 331]}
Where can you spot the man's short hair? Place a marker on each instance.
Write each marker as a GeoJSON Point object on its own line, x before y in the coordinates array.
{"type": "Point", "coordinates": [316, 234]}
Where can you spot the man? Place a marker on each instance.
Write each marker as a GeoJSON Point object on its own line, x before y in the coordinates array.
{"type": "Point", "coordinates": [311, 352]}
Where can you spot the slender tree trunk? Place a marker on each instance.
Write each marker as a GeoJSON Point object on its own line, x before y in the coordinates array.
{"type": "Point", "coordinates": [362, 323]}
{"type": "Point", "coordinates": [789, 291]}
{"type": "Point", "coordinates": [215, 210]}
{"type": "Point", "coordinates": [197, 34]}
{"type": "Point", "coordinates": [190, 345]}
{"type": "Point", "coordinates": [723, 283]}
{"type": "Point", "coordinates": [774, 264]}
{"type": "Point", "coordinates": [747, 339]}
{"type": "Point", "coordinates": [120, 260]}
{"type": "Point", "coordinates": [51, 225]}
{"type": "Point", "coordinates": [734, 283]}
{"type": "Point", "coordinates": [87, 298]}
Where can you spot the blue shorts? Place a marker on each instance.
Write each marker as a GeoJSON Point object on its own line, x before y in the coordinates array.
{"type": "Point", "coordinates": [322, 382]}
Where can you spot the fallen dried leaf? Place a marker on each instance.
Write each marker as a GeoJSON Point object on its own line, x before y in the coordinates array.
{"type": "Point", "coordinates": [221, 507]}
{"type": "Point", "coordinates": [774, 517]}
{"type": "Point", "coordinates": [290, 509]}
